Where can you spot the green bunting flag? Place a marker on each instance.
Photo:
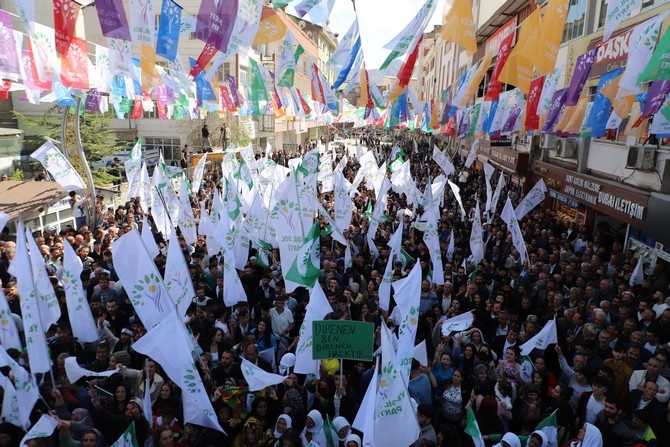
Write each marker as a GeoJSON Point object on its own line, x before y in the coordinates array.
{"type": "Point", "coordinates": [658, 68]}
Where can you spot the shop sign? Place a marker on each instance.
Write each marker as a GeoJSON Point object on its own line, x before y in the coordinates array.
{"type": "Point", "coordinates": [512, 160]}
{"type": "Point", "coordinates": [561, 198]}
{"type": "Point", "coordinates": [623, 204]}
{"type": "Point", "coordinates": [611, 53]}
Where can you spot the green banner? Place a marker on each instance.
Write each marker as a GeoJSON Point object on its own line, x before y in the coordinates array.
{"type": "Point", "coordinates": [342, 339]}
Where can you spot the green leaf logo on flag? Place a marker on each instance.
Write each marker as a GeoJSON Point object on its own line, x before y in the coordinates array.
{"type": "Point", "coordinates": [310, 164]}
{"type": "Point", "coordinates": [305, 267]}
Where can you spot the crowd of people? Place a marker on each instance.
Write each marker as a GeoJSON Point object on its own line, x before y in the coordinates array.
{"type": "Point", "coordinates": [606, 379]}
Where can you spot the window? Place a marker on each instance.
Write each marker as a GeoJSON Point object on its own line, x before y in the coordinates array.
{"type": "Point", "coordinates": [153, 113]}
{"type": "Point", "coordinates": [266, 123]}
{"type": "Point", "coordinates": [574, 23]}
{"type": "Point", "coordinates": [171, 147]}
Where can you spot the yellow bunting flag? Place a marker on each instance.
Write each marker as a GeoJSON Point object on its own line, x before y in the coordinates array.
{"type": "Point", "coordinates": [551, 31]}
{"type": "Point", "coordinates": [574, 124]}
{"type": "Point", "coordinates": [458, 26]}
{"type": "Point", "coordinates": [518, 70]}
{"type": "Point", "coordinates": [148, 67]}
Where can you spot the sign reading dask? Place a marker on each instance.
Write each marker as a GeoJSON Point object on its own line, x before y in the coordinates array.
{"type": "Point", "coordinates": [342, 339]}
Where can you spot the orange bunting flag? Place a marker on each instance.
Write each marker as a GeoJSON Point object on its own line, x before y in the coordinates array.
{"type": "Point", "coordinates": [551, 32]}
{"type": "Point", "coordinates": [458, 26]}
{"type": "Point", "coordinates": [271, 28]}
{"type": "Point", "coordinates": [574, 124]}
{"type": "Point", "coordinates": [518, 69]}
{"type": "Point", "coordinates": [434, 122]}
{"type": "Point", "coordinates": [148, 67]}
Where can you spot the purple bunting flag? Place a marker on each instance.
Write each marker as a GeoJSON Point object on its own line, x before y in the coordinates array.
{"type": "Point", "coordinates": [113, 20]}
{"type": "Point", "coordinates": [555, 111]}
{"type": "Point", "coordinates": [580, 75]}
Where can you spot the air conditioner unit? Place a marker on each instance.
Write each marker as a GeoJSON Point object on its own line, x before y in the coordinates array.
{"type": "Point", "coordinates": [566, 148]}
{"type": "Point", "coordinates": [547, 141]}
{"type": "Point", "coordinates": [641, 157]}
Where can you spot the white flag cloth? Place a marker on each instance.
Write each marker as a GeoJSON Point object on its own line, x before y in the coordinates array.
{"type": "Point", "coordinates": [317, 309]}
{"type": "Point", "coordinates": [127, 438]}
{"type": "Point", "coordinates": [233, 290]}
{"type": "Point", "coordinates": [617, 12]}
{"type": "Point", "coordinates": [476, 237]}
{"type": "Point", "coordinates": [167, 343]}
{"type": "Point", "coordinates": [472, 154]}
{"type": "Point", "coordinates": [420, 353]}
{"type": "Point", "coordinates": [534, 197]}
{"type": "Point", "coordinates": [342, 205]}
{"type": "Point", "coordinates": [443, 162]}
{"type": "Point", "coordinates": [36, 343]}
{"type": "Point", "coordinates": [141, 279]}
{"type": "Point", "coordinates": [458, 323]}
{"type": "Point", "coordinates": [144, 187]}
{"type": "Point", "coordinates": [58, 166]}
{"type": "Point", "coordinates": [27, 391]}
{"type": "Point", "coordinates": [44, 428]}
{"type": "Point", "coordinates": [365, 416]}
{"type": "Point", "coordinates": [146, 399]}
{"type": "Point", "coordinates": [457, 194]}
{"type": "Point", "coordinates": [11, 410]}
{"type": "Point", "coordinates": [9, 334]}
{"type": "Point", "coordinates": [257, 379]}
{"type": "Point", "coordinates": [496, 194]}
{"type": "Point", "coordinates": [185, 218]}
{"type": "Point", "coordinates": [432, 240]}
{"type": "Point", "coordinates": [488, 172]}
{"type": "Point", "coordinates": [79, 312]}
{"type": "Point", "coordinates": [509, 217]}
{"type": "Point", "coordinates": [385, 286]}
{"type": "Point", "coordinates": [380, 206]}
{"type": "Point", "coordinates": [367, 162]}
{"type": "Point", "coordinates": [75, 372]}
{"type": "Point", "coordinates": [408, 297]}
{"type": "Point", "coordinates": [637, 277]}
{"type": "Point", "coordinates": [177, 278]}
{"type": "Point", "coordinates": [47, 302]}
{"type": "Point", "coordinates": [451, 248]}
{"type": "Point", "coordinates": [148, 239]}
{"type": "Point", "coordinates": [395, 422]}
{"type": "Point", "coordinates": [198, 172]}
{"type": "Point", "coordinates": [4, 218]}
{"type": "Point", "coordinates": [132, 167]}
{"type": "Point", "coordinates": [542, 339]}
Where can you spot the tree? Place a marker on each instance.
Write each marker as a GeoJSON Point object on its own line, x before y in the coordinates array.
{"type": "Point", "coordinates": [97, 136]}
{"type": "Point", "coordinates": [240, 130]}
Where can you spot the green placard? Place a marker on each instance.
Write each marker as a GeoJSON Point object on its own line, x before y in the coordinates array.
{"type": "Point", "coordinates": [342, 339]}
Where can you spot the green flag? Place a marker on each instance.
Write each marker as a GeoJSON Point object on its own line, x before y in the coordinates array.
{"type": "Point", "coordinates": [264, 249]}
{"type": "Point", "coordinates": [128, 438]}
{"type": "Point", "coordinates": [368, 211]}
{"type": "Point", "coordinates": [279, 4]}
{"type": "Point", "coordinates": [331, 433]}
{"type": "Point", "coordinates": [658, 68]}
{"type": "Point", "coordinates": [396, 164]}
{"type": "Point", "coordinates": [310, 163]}
{"type": "Point", "coordinates": [473, 121]}
{"type": "Point", "coordinates": [473, 275]}
{"type": "Point", "coordinates": [327, 231]}
{"type": "Point", "coordinates": [244, 173]}
{"type": "Point", "coordinates": [257, 89]}
{"type": "Point", "coordinates": [305, 267]}
{"type": "Point", "coordinates": [233, 203]}
{"type": "Point", "coordinates": [298, 53]}
{"type": "Point", "coordinates": [472, 428]}
{"type": "Point", "coordinates": [550, 428]}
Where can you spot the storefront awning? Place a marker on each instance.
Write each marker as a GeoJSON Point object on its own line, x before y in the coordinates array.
{"type": "Point", "coordinates": [27, 197]}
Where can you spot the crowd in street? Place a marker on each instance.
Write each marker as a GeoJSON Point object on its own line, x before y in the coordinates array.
{"type": "Point", "coordinates": [606, 378]}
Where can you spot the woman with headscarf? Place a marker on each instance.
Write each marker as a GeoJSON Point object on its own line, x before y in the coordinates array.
{"type": "Point", "coordinates": [343, 428]}
{"type": "Point", "coordinates": [352, 441]}
{"type": "Point", "coordinates": [588, 436]}
{"type": "Point", "coordinates": [283, 425]}
{"type": "Point", "coordinates": [90, 438]}
{"type": "Point", "coordinates": [313, 434]}
{"type": "Point", "coordinates": [509, 440]}
{"type": "Point", "coordinates": [252, 434]}
{"type": "Point", "coordinates": [537, 439]}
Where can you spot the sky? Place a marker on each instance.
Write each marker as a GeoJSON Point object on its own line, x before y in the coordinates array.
{"type": "Point", "coordinates": [379, 22]}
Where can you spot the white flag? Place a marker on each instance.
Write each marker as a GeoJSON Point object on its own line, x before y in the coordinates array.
{"type": "Point", "coordinates": [233, 290]}
{"type": "Point", "coordinates": [420, 353]}
{"type": "Point", "coordinates": [496, 194]}
{"type": "Point", "coordinates": [534, 197]}
{"type": "Point", "coordinates": [380, 207]}
{"type": "Point", "coordinates": [443, 162]}
{"type": "Point", "coordinates": [542, 339]}
{"type": "Point", "coordinates": [395, 422]}
{"type": "Point", "coordinates": [75, 372]}
{"type": "Point", "coordinates": [36, 343]}
{"type": "Point", "coordinates": [49, 309]}
{"type": "Point", "coordinates": [185, 218]}
{"type": "Point", "coordinates": [395, 244]}
{"type": "Point", "coordinates": [132, 167]}
{"type": "Point", "coordinates": [44, 428]}
{"type": "Point", "coordinates": [9, 334]}
{"type": "Point", "coordinates": [79, 312]}
{"type": "Point", "coordinates": [177, 278]}
{"type": "Point", "coordinates": [637, 277]}
{"type": "Point", "coordinates": [11, 410]}
{"type": "Point", "coordinates": [127, 438]}
{"type": "Point", "coordinates": [4, 218]}
{"type": "Point", "coordinates": [198, 173]}
{"type": "Point", "coordinates": [509, 217]}
{"type": "Point", "coordinates": [365, 416]}
{"type": "Point", "coordinates": [342, 205]}
{"type": "Point", "coordinates": [367, 162]}
{"type": "Point", "coordinates": [257, 379]}
{"type": "Point", "coordinates": [317, 309]}
{"type": "Point", "coordinates": [432, 240]}
{"type": "Point", "coordinates": [617, 12]}
{"type": "Point", "coordinates": [408, 296]}
{"type": "Point", "coordinates": [175, 358]}
{"type": "Point", "coordinates": [472, 154]}
{"type": "Point", "coordinates": [458, 323]}
{"type": "Point", "coordinates": [488, 172]}
{"type": "Point", "coordinates": [141, 279]}
{"type": "Point", "coordinates": [27, 391]}
{"type": "Point", "coordinates": [457, 194]}
{"type": "Point", "coordinates": [476, 238]}
{"type": "Point", "coordinates": [451, 248]}
{"type": "Point", "coordinates": [58, 166]}
{"type": "Point", "coordinates": [148, 239]}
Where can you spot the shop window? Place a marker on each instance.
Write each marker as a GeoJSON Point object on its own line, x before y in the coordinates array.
{"type": "Point", "coordinates": [170, 147]}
